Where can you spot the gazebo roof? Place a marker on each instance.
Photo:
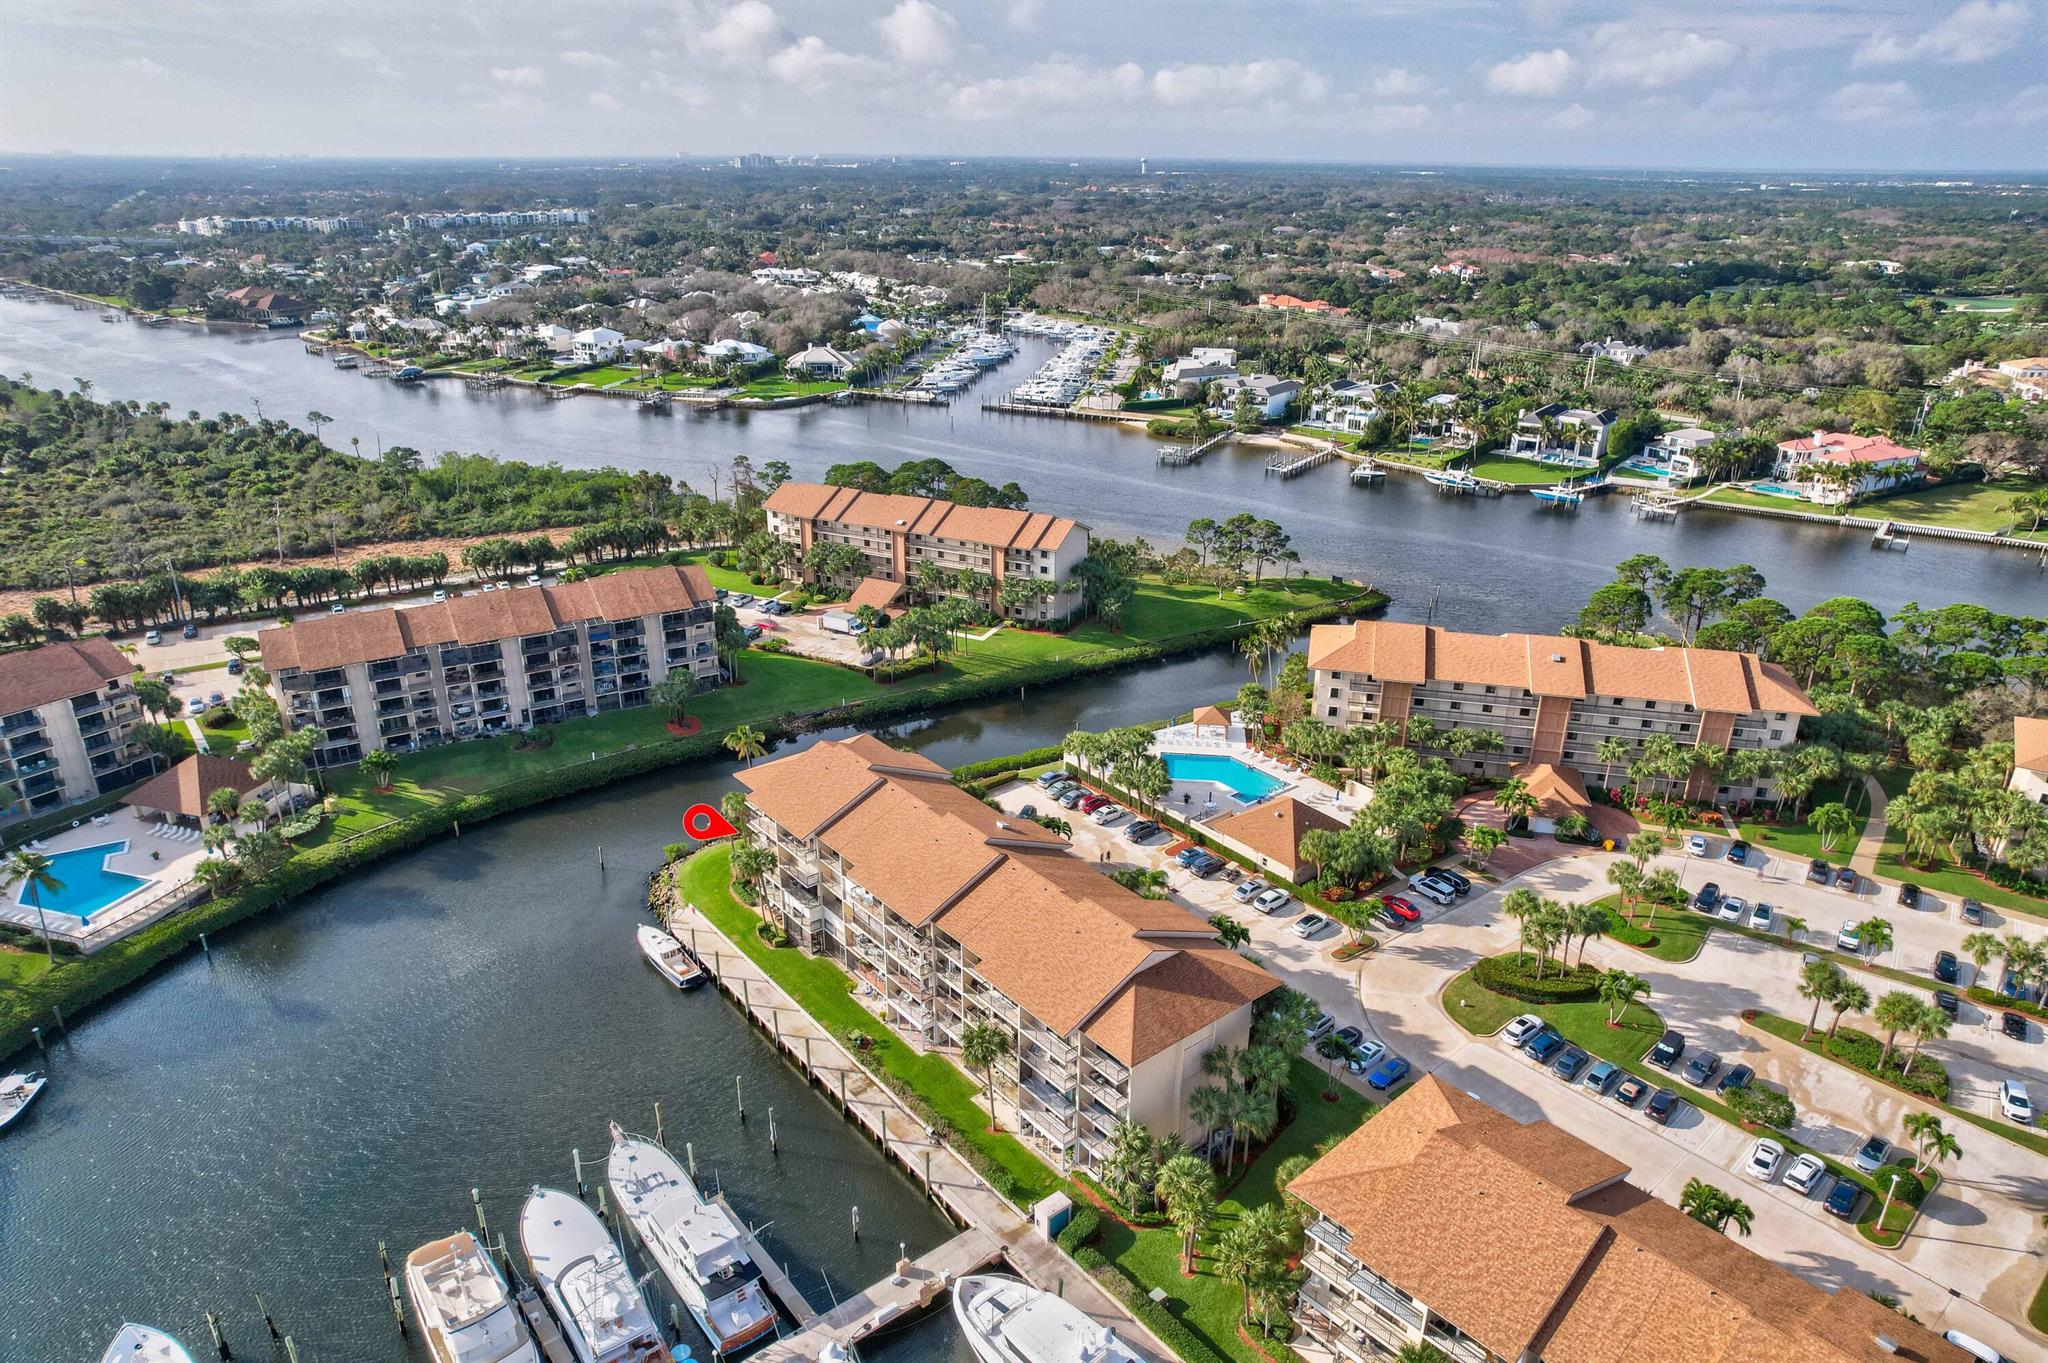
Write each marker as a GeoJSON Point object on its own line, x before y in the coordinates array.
{"type": "Point", "coordinates": [874, 591]}
{"type": "Point", "coordinates": [1557, 790]}
{"type": "Point", "coordinates": [184, 789]}
{"type": "Point", "coordinates": [1211, 714]}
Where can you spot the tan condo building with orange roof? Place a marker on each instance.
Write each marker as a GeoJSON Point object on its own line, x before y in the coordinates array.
{"type": "Point", "coordinates": [1554, 700]}
{"type": "Point", "coordinates": [489, 662]}
{"type": "Point", "coordinates": [897, 533]}
{"type": "Point", "coordinates": [1445, 1221]}
{"type": "Point", "coordinates": [948, 913]}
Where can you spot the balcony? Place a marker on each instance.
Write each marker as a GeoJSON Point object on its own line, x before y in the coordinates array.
{"type": "Point", "coordinates": [800, 873]}
{"type": "Point", "coordinates": [1376, 1290]}
{"type": "Point", "coordinates": [1460, 1350]}
{"type": "Point", "coordinates": [29, 744]}
{"type": "Point", "coordinates": [1051, 1098]}
{"type": "Point", "coordinates": [18, 723]}
{"type": "Point", "coordinates": [1108, 1068]}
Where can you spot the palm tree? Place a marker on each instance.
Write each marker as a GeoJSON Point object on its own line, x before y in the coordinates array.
{"type": "Point", "coordinates": [747, 743]}
{"type": "Point", "coordinates": [1132, 1160]}
{"type": "Point", "coordinates": [1934, 1143]}
{"type": "Point", "coordinates": [1874, 936]}
{"type": "Point", "coordinates": [1793, 926]}
{"type": "Point", "coordinates": [981, 1045]}
{"type": "Point", "coordinates": [1849, 997]}
{"type": "Point", "coordinates": [1585, 922]}
{"type": "Point", "coordinates": [378, 764]}
{"type": "Point", "coordinates": [1929, 1024]}
{"type": "Point", "coordinates": [1710, 1206]}
{"type": "Point", "coordinates": [1186, 1187]}
{"type": "Point", "coordinates": [1980, 947]}
{"type": "Point", "coordinates": [1618, 989]}
{"type": "Point", "coordinates": [1895, 1012]}
{"type": "Point", "coordinates": [1229, 932]}
{"type": "Point", "coordinates": [1612, 752]}
{"type": "Point", "coordinates": [1210, 1106]}
{"type": "Point", "coordinates": [1661, 886]}
{"type": "Point", "coordinates": [1627, 879]}
{"type": "Point", "coordinates": [225, 804]}
{"type": "Point", "coordinates": [1819, 981]}
{"type": "Point", "coordinates": [31, 871]}
{"type": "Point", "coordinates": [1833, 822]}
{"type": "Point", "coordinates": [1522, 905]}
{"type": "Point", "coordinates": [1420, 1352]}
{"type": "Point", "coordinates": [1247, 1257]}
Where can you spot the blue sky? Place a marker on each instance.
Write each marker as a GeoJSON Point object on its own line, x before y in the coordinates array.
{"type": "Point", "coordinates": [1738, 84]}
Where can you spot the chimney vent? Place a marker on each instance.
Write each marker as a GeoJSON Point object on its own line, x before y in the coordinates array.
{"type": "Point", "coordinates": [1888, 1344]}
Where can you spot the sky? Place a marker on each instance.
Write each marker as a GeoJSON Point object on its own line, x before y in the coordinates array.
{"type": "Point", "coordinates": [1916, 85]}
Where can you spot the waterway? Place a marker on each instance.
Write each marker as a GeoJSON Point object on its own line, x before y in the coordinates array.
{"type": "Point", "coordinates": [1489, 564]}
{"type": "Point", "coordinates": [343, 1071]}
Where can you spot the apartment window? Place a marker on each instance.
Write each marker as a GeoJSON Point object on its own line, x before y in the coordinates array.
{"type": "Point", "coordinates": [1777, 733]}
{"type": "Point", "coordinates": [1613, 720]}
{"type": "Point", "coordinates": [1524, 712]}
{"type": "Point", "coordinates": [1415, 704]}
{"type": "Point", "coordinates": [1486, 709]}
{"type": "Point", "coordinates": [1457, 705]}
{"type": "Point", "coordinates": [1646, 723]}
{"type": "Point", "coordinates": [1615, 701]}
{"type": "Point", "coordinates": [1333, 693]}
{"type": "Point", "coordinates": [1457, 686]}
{"type": "Point", "coordinates": [1518, 750]}
{"type": "Point", "coordinates": [1649, 705]}
{"type": "Point", "coordinates": [1333, 712]}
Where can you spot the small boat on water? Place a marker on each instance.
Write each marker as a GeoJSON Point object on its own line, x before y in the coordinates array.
{"type": "Point", "coordinates": [1368, 472]}
{"type": "Point", "coordinates": [586, 1282]}
{"type": "Point", "coordinates": [17, 1091]}
{"type": "Point", "coordinates": [695, 1243]}
{"type": "Point", "coordinates": [141, 1344]}
{"type": "Point", "coordinates": [346, 361]}
{"type": "Point", "coordinates": [1451, 480]}
{"type": "Point", "coordinates": [669, 956]}
{"type": "Point", "coordinates": [410, 373]}
{"type": "Point", "coordinates": [463, 1306]}
{"type": "Point", "coordinates": [1008, 1321]}
{"type": "Point", "coordinates": [1564, 497]}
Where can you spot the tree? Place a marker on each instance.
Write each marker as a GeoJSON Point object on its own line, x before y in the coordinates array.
{"type": "Point", "coordinates": [1874, 937]}
{"type": "Point", "coordinates": [1514, 800]}
{"type": "Point", "coordinates": [1209, 1105]}
{"type": "Point", "coordinates": [1933, 1142]}
{"type": "Point", "coordinates": [1618, 989]}
{"type": "Point", "coordinates": [242, 646]}
{"type": "Point", "coordinates": [1522, 905]}
{"type": "Point", "coordinates": [1482, 841]}
{"type": "Point", "coordinates": [1229, 932]}
{"type": "Point", "coordinates": [1929, 1024]}
{"type": "Point", "coordinates": [1250, 1255]}
{"type": "Point", "coordinates": [1895, 1012]}
{"type": "Point", "coordinates": [982, 1044]}
{"type": "Point", "coordinates": [1711, 1206]}
{"type": "Point", "coordinates": [31, 871]}
{"type": "Point", "coordinates": [673, 694]}
{"type": "Point", "coordinates": [1819, 981]}
{"type": "Point", "coordinates": [1849, 997]}
{"type": "Point", "coordinates": [1833, 822]}
{"type": "Point", "coordinates": [1762, 1107]}
{"type": "Point", "coordinates": [378, 764]}
{"type": "Point", "coordinates": [1186, 1187]}
{"type": "Point", "coordinates": [1133, 1159]}
{"type": "Point", "coordinates": [746, 743]}
{"type": "Point", "coordinates": [225, 804]}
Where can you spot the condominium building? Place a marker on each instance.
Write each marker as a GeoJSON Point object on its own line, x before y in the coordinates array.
{"type": "Point", "coordinates": [490, 661]}
{"type": "Point", "coordinates": [896, 534]}
{"type": "Point", "coordinates": [2030, 758]}
{"type": "Point", "coordinates": [1554, 700]}
{"type": "Point", "coordinates": [949, 913]}
{"type": "Point", "coordinates": [1444, 1221]}
{"type": "Point", "coordinates": [70, 726]}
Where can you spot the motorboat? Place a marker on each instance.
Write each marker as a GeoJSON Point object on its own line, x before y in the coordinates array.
{"type": "Point", "coordinates": [142, 1344]}
{"type": "Point", "coordinates": [670, 957]}
{"type": "Point", "coordinates": [586, 1282]}
{"type": "Point", "coordinates": [464, 1308]}
{"type": "Point", "coordinates": [1367, 472]}
{"type": "Point", "coordinates": [1010, 1321]}
{"type": "Point", "coordinates": [17, 1091]}
{"type": "Point", "coordinates": [696, 1243]}
{"type": "Point", "coordinates": [1451, 480]}
{"type": "Point", "coordinates": [1564, 496]}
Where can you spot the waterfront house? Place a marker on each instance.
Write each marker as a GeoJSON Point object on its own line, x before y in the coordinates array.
{"type": "Point", "coordinates": [182, 794]}
{"type": "Point", "coordinates": [1580, 442]}
{"type": "Point", "coordinates": [1835, 467]}
{"type": "Point", "coordinates": [1674, 456]}
{"type": "Point", "coordinates": [1445, 1222]}
{"type": "Point", "coordinates": [822, 362]}
{"type": "Point", "coordinates": [897, 534]}
{"type": "Point", "coordinates": [558, 340]}
{"type": "Point", "coordinates": [1201, 366]}
{"type": "Point", "coordinates": [737, 352]}
{"type": "Point", "coordinates": [1438, 423]}
{"type": "Point", "coordinates": [1269, 394]}
{"type": "Point", "coordinates": [487, 662]}
{"type": "Point", "coordinates": [267, 306]}
{"type": "Point", "coordinates": [1553, 699]}
{"type": "Point", "coordinates": [1347, 405]}
{"type": "Point", "coordinates": [1287, 302]}
{"type": "Point", "coordinates": [70, 725]}
{"type": "Point", "coordinates": [596, 345]}
{"type": "Point", "coordinates": [948, 913]}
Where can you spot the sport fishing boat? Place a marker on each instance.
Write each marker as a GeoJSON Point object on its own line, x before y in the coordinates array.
{"type": "Point", "coordinates": [667, 955]}
{"type": "Point", "coordinates": [1451, 480]}
{"type": "Point", "coordinates": [141, 1344]}
{"type": "Point", "coordinates": [464, 1308]}
{"type": "Point", "coordinates": [696, 1243]}
{"type": "Point", "coordinates": [586, 1282]}
{"type": "Point", "coordinates": [1564, 496]}
{"type": "Point", "coordinates": [1008, 1321]}
{"type": "Point", "coordinates": [17, 1091]}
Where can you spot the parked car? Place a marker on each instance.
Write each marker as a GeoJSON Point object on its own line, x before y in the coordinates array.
{"type": "Point", "coordinates": [1738, 852]}
{"type": "Point", "coordinates": [1845, 878]}
{"type": "Point", "coordinates": [775, 608]}
{"type": "Point", "coordinates": [1663, 1107]}
{"type": "Point", "coordinates": [1696, 845]}
{"type": "Point", "coordinates": [533, 579]}
{"type": "Point", "coordinates": [1369, 1053]}
{"type": "Point", "coordinates": [1738, 1077]}
{"type": "Point", "coordinates": [1600, 1076]}
{"type": "Point", "coordinates": [1760, 916]}
{"type": "Point", "coordinates": [1435, 890]}
{"type": "Point", "coordinates": [154, 636]}
{"type": "Point", "coordinates": [2014, 1103]}
{"type": "Point", "coordinates": [740, 599]}
{"type": "Point", "coordinates": [1458, 881]}
{"type": "Point", "coordinates": [1974, 1347]}
{"type": "Point", "coordinates": [1047, 779]}
{"type": "Point", "coordinates": [216, 698]}
{"type": "Point", "coordinates": [1709, 895]}
{"type": "Point", "coordinates": [1321, 1027]}
{"type": "Point", "coordinates": [1272, 901]}
{"type": "Point", "coordinates": [1630, 1090]}
{"type": "Point", "coordinates": [754, 632]}
{"type": "Point", "coordinates": [2013, 1025]}
{"type": "Point", "coordinates": [1208, 864]}
{"type": "Point", "coordinates": [1871, 1155]}
{"type": "Point", "coordinates": [1701, 1069]}
{"type": "Point", "coordinates": [1849, 939]}
{"type": "Point", "coordinates": [1843, 1199]}
{"type": "Point", "coordinates": [1569, 1062]}
{"type": "Point", "coordinates": [1028, 811]}
{"type": "Point", "coordinates": [1802, 1175]}
{"type": "Point", "coordinates": [1107, 815]}
{"type": "Point", "coordinates": [235, 667]}
{"type": "Point", "coordinates": [1188, 856]}
{"type": "Point", "coordinates": [1732, 909]}
{"type": "Point", "coordinates": [1402, 909]}
{"type": "Point", "coordinates": [1073, 796]}
{"type": "Point", "coordinates": [1544, 1046]}
{"type": "Point", "coordinates": [1248, 890]}
{"type": "Point", "coordinates": [1764, 1158]}
{"type": "Point", "coordinates": [1973, 913]}
{"type": "Point", "coordinates": [1090, 803]}
{"type": "Point", "coordinates": [1340, 1042]}
{"type": "Point", "coordinates": [1948, 1003]}
{"type": "Point", "coordinates": [1909, 895]}
{"type": "Point", "coordinates": [338, 608]}
{"type": "Point", "coordinates": [1518, 1032]}
{"type": "Point", "coordinates": [1947, 968]}
{"type": "Point", "coordinates": [1144, 830]}
{"type": "Point", "coordinates": [1667, 1050]}
{"type": "Point", "coordinates": [191, 630]}
{"type": "Point", "coordinates": [1819, 872]}
{"type": "Point", "coordinates": [196, 706]}
{"type": "Point", "coordinates": [1392, 1071]}
{"type": "Point", "coordinates": [1310, 925]}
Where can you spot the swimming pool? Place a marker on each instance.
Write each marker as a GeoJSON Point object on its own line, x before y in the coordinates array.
{"type": "Point", "coordinates": [1778, 490]}
{"type": "Point", "coordinates": [1247, 783]}
{"type": "Point", "coordinates": [88, 885]}
{"type": "Point", "coordinates": [1646, 470]}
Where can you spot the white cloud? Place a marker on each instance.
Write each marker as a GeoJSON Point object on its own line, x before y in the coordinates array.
{"type": "Point", "coordinates": [1653, 59]}
{"type": "Point", "coordinates": [1023, 15]}
{"type": "Point", "coordinates": [1070, 91]}
{"type": "Point", "coordinates": [810, 63]}
{"type": "Point", "coordinates": [1978, 31]}
{"type": "Point", "coordinates": [1571, 118]}
{"type": "Point", "coordinates": [1059, 85]}
{"type": "Point", "coordinates": [1240, 83]}
{"type": "Point", "coordinates": [145, 68]}
{"type": "Point", "coordinates": [745, 32]}
{"type": "Point", "coordinates": [1387, 118]}
{"type": "Point", "coordinates": [518, 77]}
{"type": "Point", "coordinates": [661, 82]}
{"type": "Point", "coordinates": [1534, 74]}
{"type": "Point", "coordinates": [2029, 106]}
{"type": "Point", "coordinates": [589, 61]}
{"type": "Point", "coordinates": [373, 58]}
{"type": "Point", "coordinates": [599, 99]}
{"type": "Point", "coordinates": [1399, 84]}
{"type": "Point", "coordinates": [1872, 102]}
{"type": "Point", "coordinates": [918, 33]}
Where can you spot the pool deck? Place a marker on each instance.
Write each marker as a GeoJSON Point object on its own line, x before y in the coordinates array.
{"type": "Point", "coordinates": [1201, 801]}
{"type": "Point", "coordinates": [169, 873]}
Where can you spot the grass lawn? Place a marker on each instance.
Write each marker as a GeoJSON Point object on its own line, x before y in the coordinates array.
{"type": "Point", "coordinates": [1524, 471]}
{"type": "Point", "coordinates": [779, 387]}
{"type": "Point", "coordinates": [1348, 439]}
{"type": "Point", "coordinates": [599, 377]}
{"type": "Point", "coordinates": [1208, 1304]}
{"type": "Point", "coordinates": [1730, 496]}
{"type": "Point", "coordinates": [1675, 934]}
{"type": "Point", "coordinates": [2037, 1312]}
{"type": "Point", "coordinates": [1962, 506]}
{"type": "Point", "coordinates": [1947, 879]}
{"type": "Point", "coordinates": [20, 965]}
{"type": "Point", "coordinates": [824, 991]}
{"type": "Point", "coordinates": [1800, 841]}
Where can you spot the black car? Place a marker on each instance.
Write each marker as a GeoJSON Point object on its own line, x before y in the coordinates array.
{"type": "Point", "coordinates": [1667, 1050]}
{"type": "Point", "coordinates": [1663, 1107]}
{"type": "Point", "coordinates": [1738, 852]}
{"type": "Point", "coordinates": [1819, 872]}
{"type": "Point", "coordinates": [1946, 968]}
{"type": "Point", "coordinates": [1909, 895]}
{"type": "Point", "coordinates": [1569, 1063]}
{"type": "Point", "coordinates": [1973, 913]}
{"type": "Point", "coordinates": [1343, 1041]}
{"type": "Point", "coordinates": [1738, 1077]}
{"type": "Point", "coordinates": [191, 631]}
{"type": "Point", "coordinates": [1948, 1003]}
{"type": "Point", "coordinates": [234, 667]}
{"type": "Point", "coordinates": [2013, 1025]}
{"type": "Point", "coordinates": [1701, 1068]}
{"type": "Point", "coordinates": [1708, 897]}
{"type": "Point", "coordinates": [1843, 1199]}
{"type": "Point", "coordinates": [1543, 1046]}
{"type": "Point", "coordinates": [1630, 1090]}
{"type": "Point", "coordinates": [1457, 881]}
{"type": "Point", "coordinates": [1141, 830]}
{"type": "Point", "coordinates": [1845, 878]}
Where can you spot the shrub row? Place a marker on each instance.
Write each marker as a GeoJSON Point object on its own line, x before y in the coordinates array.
{"type": "Point", "coordinates": [1081, 1229]}
{"type": "Point", "coordinates": [1003, 766]}
{"type": "Point", "coordinates": [1514, 976]}
{"type": "Point", "coordinates": [1171, 1332]}
{"type": "Point", "coordinates": [1994, 1001]}
{"type": "Point", "coordinates": [1629, 935]}
{"type": "Point", "coordinates": [1860, 1051]}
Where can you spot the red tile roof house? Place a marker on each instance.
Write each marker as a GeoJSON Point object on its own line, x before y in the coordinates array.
{"type": "Point", "coordinates": [1810, 461]}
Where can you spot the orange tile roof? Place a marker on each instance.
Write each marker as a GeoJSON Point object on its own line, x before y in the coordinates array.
{"type": "Point", "coordinates": [2030, 743]}
{"type": "Point", "coordinates": [1211, 716]}
{"type": "Point", "coordinates": [185, 788]}
{"type": "Point", "coordinates": [1529, 1240]}
{"type": "Point", "coordinates": [1836, 447]}
{"type": "Point", "coordinates": [1557, 790]}
{"type": "Point", "coordinates": [1273, 829]}
{"type": "Point", "coordinates": [31, 677]}
{"type": "Point", "coordinates": [990, 525]}
{"type": "Point", "coordinates": [878, 592]}
{"type": "Point", "coordinates": [1553, 665]}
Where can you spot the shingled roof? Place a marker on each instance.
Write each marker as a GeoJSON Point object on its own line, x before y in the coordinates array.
{"type": "Point", "coordinates": [996, 526]}
{"type": "Point", "coordinates": [36, 676]}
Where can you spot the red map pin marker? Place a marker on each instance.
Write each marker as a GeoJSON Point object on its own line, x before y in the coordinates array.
{"type": "Point", "coordinates": [704, 823]}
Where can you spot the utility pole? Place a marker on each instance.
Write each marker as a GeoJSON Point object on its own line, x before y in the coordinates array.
{"type": "Point", "coordinates": [277, 517]}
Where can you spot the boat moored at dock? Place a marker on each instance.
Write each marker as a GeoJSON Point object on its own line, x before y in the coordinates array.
{"type": "Point", "coordinates": [142, 1344]}
{"type": "Point", "coordinates": [1007, 1320]}
{"type": "Point", "coordinates": [17, 1091]}
{"type": "Point", "coordinates": [464, 1308]}
{"type": "Point", "coordinates": [586, 1281]}
{"type": "Point", "coordinates": [670, 957]}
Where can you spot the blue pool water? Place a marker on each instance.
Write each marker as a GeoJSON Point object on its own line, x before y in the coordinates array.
{"type": "Point", "coordinates": [1247, 783]}
{"type": "Point", "coordinates": [88, 885]}
{"type": "Point", "coordinates": [1776, 490]}
{"type": "Point", "coordinates": [1646, 470]}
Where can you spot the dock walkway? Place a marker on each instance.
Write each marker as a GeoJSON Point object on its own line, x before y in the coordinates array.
{"type": "Point", "coordinates": [1002, 1228]}
{"type": "Point", "coordinates": [911, 1290]}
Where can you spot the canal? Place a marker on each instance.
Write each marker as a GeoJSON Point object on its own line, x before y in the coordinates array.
{"type": "Point", "coordinates": [343, 1071]}
{"type": "Point", "coordinates": [1488, 564]}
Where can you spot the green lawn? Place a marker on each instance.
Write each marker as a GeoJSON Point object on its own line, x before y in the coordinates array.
{"type": "Point", "coordinates": [1523, 471]}
{"type": "Point", "coordinates": [19, 966]}
{"type": "Point", "coordinates": [1800, 841]}
{"type": "Point", "coordinates": [1731, 496]}
{"type": "Point", "coordinates": [1210, 1305]}
{"type": "Point", "coordinates": [776, 386]}
{"type": "Point", "coordinates": [1962, 506]}
{"type": "Point", "coordinates": [823, 990]}
{"type": "Point", "coordinates": [1952, 882]}
{"type": "Point", "coordinates": [598, 377]}
{"type": "Point", "coordinates": [1676, 934]}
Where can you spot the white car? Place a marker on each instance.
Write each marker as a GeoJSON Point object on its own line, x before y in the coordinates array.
{"type": "Point", "coordinates": [1764, 1158]}
{"type": "Point", "coordinates": [1272, 901]}
{"type": "Point", "coordinates": [2014, 1103]}
{"type": "Point", "coordinates": [338, 608]}
{"type": "Point", "coordinates": [1250, 890]}
{"type": "Point", "coordinates": [1804, 1173]}
{"type": "Point", "coordinates": [1107, 815]}
{"type": "Point", "coordinates": [440, 595]}
{"type": "Point", "coordinates": [533, 579]}
{"type": "Point", "coordinates": [1696, 845]}
{"type": "Point", "coordinates": [1733, 909]}
{"type": "Point", "coordinates": [1310, 925]}
{"type": "Point", "coordinates": [196, 706]}
{"type": "Point", "coordinates": [1760, 917]}
{"type": "Point", "coordinates": [1433, 890]}
{"type": "Point", "coordinates": [1849, 939]}
{"type": "Point", "coordinates": [1519, 1031]}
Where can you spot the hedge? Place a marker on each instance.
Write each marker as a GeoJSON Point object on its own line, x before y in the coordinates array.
{"type": "Point", "coordinates": [1154, 1317]}
{"type": "Point", "coordinates": [1994, 1001]}
{"type": "Point", "coordinates": [1629, 935]}
{"type": "Point", "coordinates": [1514, 976]}
{"type": "Point", "coordinates": [1081, 1229]}
{"type": "Point", "coordinates": [1003, 766]}
{"type": "Point", "coordinates": [1860, 1051]}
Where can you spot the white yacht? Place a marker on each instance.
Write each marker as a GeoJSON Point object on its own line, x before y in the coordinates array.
{"type": "Point", "coordinates": [1009, 1321]}
{"type": "Point", "coordinates": [586, 1281]}
{"type": "Point", "coordinates": [464, 1308]}
{"type": "Point", "coordinates": [17, 1091]}
{"type": "Point", "coordinates": [695, 1242]}
{"type": "Point", "coordinates": [667, 955]}
{"type": "Point", "coordinates": [141, 1344]}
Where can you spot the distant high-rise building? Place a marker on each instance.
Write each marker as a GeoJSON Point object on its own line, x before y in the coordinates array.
{"type": "Point", "coordinates": [1141, 165]}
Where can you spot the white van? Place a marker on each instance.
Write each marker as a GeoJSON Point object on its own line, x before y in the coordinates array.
{"type": "Point", "coordinates": [1976, 1348]}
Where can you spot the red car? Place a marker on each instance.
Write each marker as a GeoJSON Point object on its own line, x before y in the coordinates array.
{"type": "Point", "coordinates": [1093, 803]}
{"type": "Point", "coordinates": [1402, 909]}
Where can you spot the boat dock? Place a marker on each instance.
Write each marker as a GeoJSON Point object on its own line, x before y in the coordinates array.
{"type": "Point", "coordinates": [1288, 463]}
{"type": "Point", "coordinates": [1174, 456]}
{"type": "Point", "coordinates": [779, 1285]}
{"type": "Point", "coordinates": [913, 1288]}
{"type": "Point", "coordinates": [546, 1333]}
